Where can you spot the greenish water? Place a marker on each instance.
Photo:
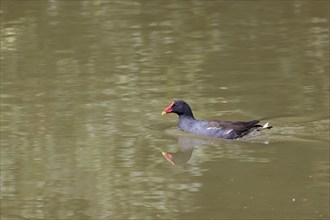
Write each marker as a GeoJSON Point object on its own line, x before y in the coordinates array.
{"type": "Point", "coordinates": [83, 85]}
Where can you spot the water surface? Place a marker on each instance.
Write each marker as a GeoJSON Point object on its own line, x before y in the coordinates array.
{"type": "Point", "coordinates": [83, 85]}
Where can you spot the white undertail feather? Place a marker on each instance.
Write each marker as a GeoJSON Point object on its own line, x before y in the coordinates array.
{"type": "Point", "coordinates": [266, 125]}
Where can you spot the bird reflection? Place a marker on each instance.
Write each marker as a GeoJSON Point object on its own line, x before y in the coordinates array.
{"type": "Point", "coordinates": [186, 147]}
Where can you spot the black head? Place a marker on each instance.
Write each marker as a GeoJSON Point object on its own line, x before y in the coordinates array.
{"type": "Point", "coordinates": [179, 107]}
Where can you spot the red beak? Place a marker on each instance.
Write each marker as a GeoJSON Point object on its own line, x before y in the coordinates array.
{"type": "Point", "coordinates": [168, 109]}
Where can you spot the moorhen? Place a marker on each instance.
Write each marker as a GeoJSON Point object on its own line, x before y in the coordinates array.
{"type": "Point", "coordinates": [217, 129]}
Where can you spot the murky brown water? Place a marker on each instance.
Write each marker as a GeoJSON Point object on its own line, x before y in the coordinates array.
{"type": "Point", "coordinates": [84, 83]}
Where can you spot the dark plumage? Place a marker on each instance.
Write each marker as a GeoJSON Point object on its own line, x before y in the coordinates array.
{"type": "Point", "coordinates": [213, 128]}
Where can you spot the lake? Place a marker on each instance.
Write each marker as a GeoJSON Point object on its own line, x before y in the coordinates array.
{"type": "Point", "coordinates": [84, 83]}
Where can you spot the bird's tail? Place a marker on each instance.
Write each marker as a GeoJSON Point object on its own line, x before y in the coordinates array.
{"type": "Point", "coordinates": [265, 126]}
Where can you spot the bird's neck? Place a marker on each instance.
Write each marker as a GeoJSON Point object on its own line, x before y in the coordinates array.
{"type": "Point", "coordinates": [186, 122]}
{"type": "Point", "coordinates": [184, 117]}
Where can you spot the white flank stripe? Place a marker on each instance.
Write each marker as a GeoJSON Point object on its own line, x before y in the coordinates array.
{"type": "Point", "coordinates": [209, 128]}
{"type": "Point", "coordinates": [229, 131]}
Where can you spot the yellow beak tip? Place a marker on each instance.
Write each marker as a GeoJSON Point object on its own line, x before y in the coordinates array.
{"type": "Point", "coordinates": [164, 113]}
